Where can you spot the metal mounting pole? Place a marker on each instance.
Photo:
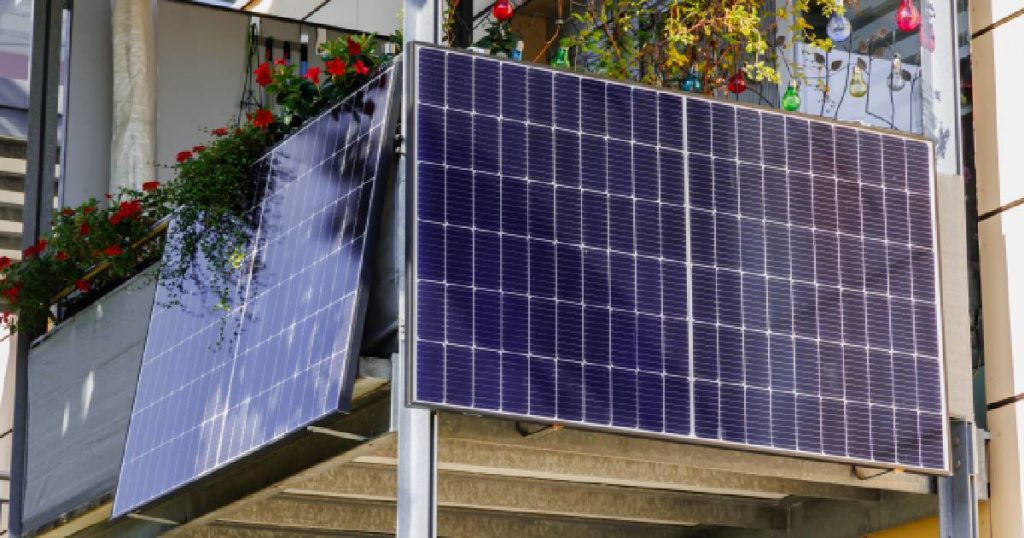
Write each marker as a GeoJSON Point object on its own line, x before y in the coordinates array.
{"type": "Point", "coordinates": [40, 174]}
{"type": "Point", "coordinates": [417, 428]}
{"type": "Point", "coordinates": [958, 499]}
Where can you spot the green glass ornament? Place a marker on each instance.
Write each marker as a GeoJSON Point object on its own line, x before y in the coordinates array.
{"type": "Point", "coordinates": [791, 99]}
{"type": "Point", "coordinates": [561, 59]}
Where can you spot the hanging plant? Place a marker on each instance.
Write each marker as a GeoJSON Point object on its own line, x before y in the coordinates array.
{"type": "Point", "coordinates": [100, 243]}
{"type": "Point", "coordinates": [215, 190]}
{"type": "Point", "coordinates": [499, 39]}
{"type": "Point", "coordinates": [665, 43]}
{"type": "Point", "coordinates": [62, 267]}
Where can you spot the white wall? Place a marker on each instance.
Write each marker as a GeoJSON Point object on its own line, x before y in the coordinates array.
{"type": "Point", "coordinates": [87, 166]}
{"type": "Point", "coordinates": [200, 68]}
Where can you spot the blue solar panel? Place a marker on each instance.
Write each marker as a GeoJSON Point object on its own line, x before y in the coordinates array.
{"type": "Point", "coordinates": [615, 256]}
{"type": "Point", "coordinates": [213, 389]}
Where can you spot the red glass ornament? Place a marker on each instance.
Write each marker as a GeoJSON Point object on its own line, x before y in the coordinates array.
{"type": "Point", "coordinates": [502, 10]}
{"type": "Point", "coordinates": [908, 18]}
{"type": "Point", "coordinates": [737, 83]}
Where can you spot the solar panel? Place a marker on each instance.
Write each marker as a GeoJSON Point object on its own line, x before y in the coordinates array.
{"type": "Point", "coordinates": [621, 257]}
{"type": "Point", "coordinates": [215, 386]}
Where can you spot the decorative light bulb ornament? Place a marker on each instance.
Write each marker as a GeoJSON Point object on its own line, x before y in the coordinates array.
{"type": "Point", "coordinates": [737, 83]}
{"type": "Point", "coordinates": [692, 83]}
{"type": "Point", "coordinates": [908, 18]}
{"type": "Point", "coordinates": [517, 54]}
{"type": "Point", "coordinates": [896, 81]}
{"type": "Point", "coordinates": [561, 59]}
{"type": "Point", "coordinates": [502, 10]}
{"type": "Point", "coordinates": [858, 86]}
{"type": "Point", "coordinates": [838, 28]}
{"type": "Point", "coordinates": [791, 99]}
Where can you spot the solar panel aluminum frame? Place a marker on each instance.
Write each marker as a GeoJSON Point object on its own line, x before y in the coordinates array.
{"type": "Point", "coordinates": [408, 307]}
{"type": "Point", "coordinates": [385, 174]}
{"type": "Point", "coordinates": [385, 169]}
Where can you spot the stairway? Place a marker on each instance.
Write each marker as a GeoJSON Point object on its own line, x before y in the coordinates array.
{"type": "Point", "coordinates": [12, 195]}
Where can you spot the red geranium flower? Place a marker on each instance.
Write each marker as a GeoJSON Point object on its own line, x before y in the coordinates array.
{"type": "Point", "coordinates": [151, 185]}
{"type": "Point", "coordinates": [68, 212]}
{"type": "Point", "coordinates": [113, 250]}
{"type": "Point", "coordinates": [336, 67]}
{"type": "Point", "coordinates": [82, 285]}
{"type": "Point", "coordinates": [5, 262]}
{"type": "Point", "coordinates": [313, 74]}
{"type": "Point", "coordinates": [126, 210]}
{"type": "Point", "coordinates": [360, 68]}
{"type": "Point", "coordinates": [12, 292]}
{"type": "Point", "coordinates": [83, 230]}
{"type": "Point", "coordinates": [262, 118]}
{"type": "Point", "coordinates": [184, 156]}
{"type": "Point", "coordinates": [280, 61]}
{"type": "Point", "coordinates": [263, 75]}
{"type": "Point", "coordinates": [60, 256]}
{"type": "Point", "coordinates": [220, 131]}
{"type": "Point", "coordinates": [353, 48]}
{"type": "Point", "coordinates": [199, 149]}
{"type": "Point", "coordinates": [35, 249]}
{"type": "Point", "coordinates": [132, 208]}
{"type": "Point", "coordinates": [88, 209]}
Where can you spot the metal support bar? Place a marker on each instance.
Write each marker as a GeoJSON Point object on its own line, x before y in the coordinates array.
{"type": "Point", "coordinates": [336, 433]}
{"type": "Point", "coordinates": [152, 519]}
{"type": "Point", "coordinates": [40, 173]}
{"type": "Point", "coordinates": [958, 499]}
{"type": "Point", "coordinates": [417, 428]}
{"type": "Point", "coordinates": [417, 473]}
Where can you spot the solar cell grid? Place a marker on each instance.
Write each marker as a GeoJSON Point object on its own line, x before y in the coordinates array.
{"type": "Point", "coordinates": [219, 381]}
{"type": "Point", "coordinates": [675, 266]}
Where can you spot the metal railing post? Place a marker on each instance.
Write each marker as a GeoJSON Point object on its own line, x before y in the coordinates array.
{"type": "Point", "coordinates": [417, 428]}
{"type": "Point", "coordinates": [40, 173]}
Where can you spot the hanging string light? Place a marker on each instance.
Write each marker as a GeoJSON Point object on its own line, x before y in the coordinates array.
{"type": "Point", "coordinates": [838, 28]}
{"type": "Point", "coordinates": [502, 10]}
{"type": "Point", "coordinates": [908, 18]}
{"type": "Point", "coordinates": [791, 99]}
{"type": "Point", "coordinates": [692, 83]}
{"type": "Point", "coordinates": [737, 83]}
{"type": "Point", "coordinates": [896, 80]}
{"type": "Point", "coordinates": [858, 86]}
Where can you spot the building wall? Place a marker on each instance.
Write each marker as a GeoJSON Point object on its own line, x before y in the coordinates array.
{"type": "Point", "coordinates": [87, 166]}
{"type": "Point", "coordinates": [997, 44]}
{"type": "Point", "coordinates": [199, 79]}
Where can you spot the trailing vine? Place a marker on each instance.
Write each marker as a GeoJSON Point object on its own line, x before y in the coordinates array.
{"type": "Point", "coordinates": [210, 201]}
{"type": "Point", "coordinates": [660, 43]}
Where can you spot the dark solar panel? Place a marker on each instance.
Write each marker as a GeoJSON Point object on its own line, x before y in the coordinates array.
{"type": "Point", "coordinates": [291, 337]}
{"type": "Point", "coordinates": [597, 253]}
